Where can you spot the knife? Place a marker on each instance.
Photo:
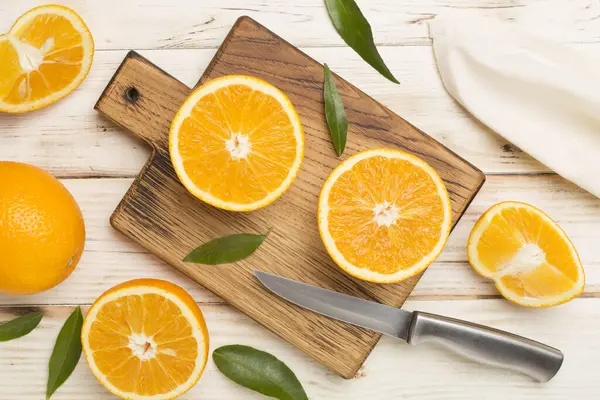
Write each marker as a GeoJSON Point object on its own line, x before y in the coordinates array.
{"type": "Point", "coordinates": [476, 342]}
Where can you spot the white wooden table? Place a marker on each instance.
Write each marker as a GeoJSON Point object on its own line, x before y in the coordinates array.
{"type": "Point", "coordinates": [97, 161]}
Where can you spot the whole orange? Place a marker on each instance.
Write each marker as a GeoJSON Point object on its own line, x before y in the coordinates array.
{"type": "Point", "coordinates": [42, 233]}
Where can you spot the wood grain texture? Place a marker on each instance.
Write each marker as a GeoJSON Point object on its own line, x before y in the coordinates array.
{"type": "Point", "coordinates": [70, 139]}
{"type": "Point", "coordinates": [167, 24]}
{"type": "Point", "coordinates": [158, 213]}
{"type": "Point", "coordinates": [111, 258]}
{"type": "Point", "coordinates": [394, 371]}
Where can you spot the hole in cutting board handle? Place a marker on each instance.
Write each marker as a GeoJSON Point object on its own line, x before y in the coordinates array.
{"type": "Point", "coordinates": [132, 95]}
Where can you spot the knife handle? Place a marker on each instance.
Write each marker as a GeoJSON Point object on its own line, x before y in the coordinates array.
{"type": "Point", "coordinates": [487, 345]}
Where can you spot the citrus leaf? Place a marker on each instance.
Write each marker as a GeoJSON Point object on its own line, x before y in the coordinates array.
{"type": "Point", "coordinates": [66, 353]}
{"type": "Point", "coordinates": [334, 113]}
{"type": "Point", "coordinates": [354, 28]}
{"type": "Point", "coordinates": [259, 371]}
{"type": "Point", "coordinates": [227, 249]}
{"type": "Point", "coordinates": [19, 326]}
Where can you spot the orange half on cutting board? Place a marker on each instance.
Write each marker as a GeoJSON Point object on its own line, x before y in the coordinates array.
{"type": "Point", "coordinates": [384, 215]}
{"type": "Point", "coordinates": [45, 56]}
{"type": "Point", "coordinates": [146, 339]}
{"type": "Point", "coordinates": [237, 143]}
{"type": "Point", "coordinates": [527, 255]}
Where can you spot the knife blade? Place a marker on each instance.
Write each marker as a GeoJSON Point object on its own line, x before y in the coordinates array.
{"type": "Point", "coordinates": [476, 342]}
{"type": "Point", "coordinates": [366, 314]}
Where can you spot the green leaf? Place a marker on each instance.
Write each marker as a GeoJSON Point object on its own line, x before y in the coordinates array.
{"type": "Point", "coordinates": [227, 249]}
{"type": "Point", "coordinates": [66, 353]}
{"type": "Point", "coordinates": [354, 28]}
{"type": "Point", "coordinates": [334, 113]}
{"type": "Point", "coordinates": [258, 371]}
{"type": "Point", "coordinates": [19, 326]}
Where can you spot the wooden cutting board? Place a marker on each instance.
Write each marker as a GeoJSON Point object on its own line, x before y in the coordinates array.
{"type": "Point", "coordinates": [159, 214]}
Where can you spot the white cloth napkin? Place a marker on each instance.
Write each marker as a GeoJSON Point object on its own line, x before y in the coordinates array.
{"type": "Point", "coordinates": [542, 96]}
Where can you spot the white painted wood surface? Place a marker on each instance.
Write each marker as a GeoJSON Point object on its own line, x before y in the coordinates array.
{"type": "Point", "coordinates": [96, 160]}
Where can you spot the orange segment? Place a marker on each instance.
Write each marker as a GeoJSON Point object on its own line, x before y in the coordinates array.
{"type": "Point", "coordinates": [146, 339]}
{"type": "Point", "coordinates": [527, 255]}
{"type": "Point", "coordinates": [384, 215]}
{"type": "Point", "coordinates": [44, 57]}
{"type": "Point", "coordinates": [237, 143]}
{"type": "Point", "coordinates": [11, 69]}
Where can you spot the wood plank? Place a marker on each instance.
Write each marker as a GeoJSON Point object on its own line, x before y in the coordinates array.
{"type": "Point", "coordinates": [111, 258]}
{"type": "Point", "coordinates": [153, 24]}
{"type": "Point", "coordinates": [72, 140]}
{"type": "Point", "coordinates": [394, 369]}
{"type": "Point", "coordinates": [159, 213]}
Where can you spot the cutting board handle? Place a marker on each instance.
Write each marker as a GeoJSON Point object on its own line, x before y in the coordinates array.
{"type": "Point", "coordinates": [133, 100]}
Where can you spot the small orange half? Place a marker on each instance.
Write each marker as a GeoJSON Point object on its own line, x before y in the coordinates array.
{"type": "Point", "coordinates": [45, 56]}
{"type": "Point", "coordinates": [237, 143]}
{"type": "Point", "coordinates": [384, 215]}
{"type": "Point", "coordinates": [146, 340]}
{"type": "Point", "coordinates": [527, 255]}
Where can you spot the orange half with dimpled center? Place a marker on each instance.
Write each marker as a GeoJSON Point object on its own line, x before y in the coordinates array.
{"type": "Point", "coordinates": [146, 339]}
{"type": "Point", "coordinates": [384, 215]}
{"type": "Point", "coordinates": [237, 143]}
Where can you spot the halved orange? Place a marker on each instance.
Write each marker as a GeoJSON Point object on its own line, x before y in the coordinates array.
{"type": "Point", "coordinates": [45, 56]}
{"type": "Point", "coordinates": [527, 255]}
{"type": "Point", "coordinates": [146, 339]}
{"type": "Point", "coordinates": [237, 143]}
{"type": "Point", "coordinates": [384, 215]}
